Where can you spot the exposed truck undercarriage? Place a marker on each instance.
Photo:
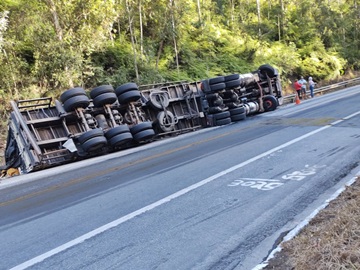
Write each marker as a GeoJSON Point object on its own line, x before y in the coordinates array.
{"type": "Point", "coordinates": [82, 124]}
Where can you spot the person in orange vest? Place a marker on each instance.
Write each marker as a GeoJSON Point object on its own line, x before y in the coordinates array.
{"type": "Point", "coordinates": [297, 87]}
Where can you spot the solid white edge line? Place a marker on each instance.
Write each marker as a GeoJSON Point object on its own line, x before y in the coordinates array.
{"type": "Point", "coordinates": [175, 195]}
{"type": "Point", "coordinates": [305, 222]}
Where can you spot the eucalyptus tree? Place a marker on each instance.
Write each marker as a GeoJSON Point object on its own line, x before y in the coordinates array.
{"type": "Point", "coordinates": [53, 40]}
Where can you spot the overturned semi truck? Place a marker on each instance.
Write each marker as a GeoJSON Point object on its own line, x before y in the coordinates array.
{"type": "Point", "coordinates": [44, 133]}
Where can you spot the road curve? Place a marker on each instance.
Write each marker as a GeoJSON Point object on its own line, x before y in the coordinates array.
{"type": "Point", "coordinates": [219, 198]}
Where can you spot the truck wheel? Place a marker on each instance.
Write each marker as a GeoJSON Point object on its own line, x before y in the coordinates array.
{"type": "Point", "coordinates": [129, 96]}
{"type": "Point", "coordinates": [267, 70]}
{"type": "Point", "coordinates": [238, 117]}
{"type": "Point", "coordinates": [126, 88]}
{"type": "Point", "coordinates": [230, 96]}
{"type": "Point", "coordinates": [218, 102]}
{"type": "Point", "coordinates": [213, 110]}
{"type": "Point", "coordinates": [232, 77]}
{"type": "Point", "coordinates": [270, 103]}
{"type": "Point", "coordinates": [238, 110]}
{"type": "Point", "coordinates": [97, 132]}
{"type": "Point", "coordinates": [140, 127]}
{"type": "Point", "coordinates": [159, 100]}
{"type": "Point", "coordinates": [221, 115]}
{"type": "Point", "coordinates": [102, 89]}
{"type": "Point", "coordinates": [217, 87]}
{"type": "Point", "coordinates": [233, 84]}
{"type": "Point", "coordinates": [74, 102]}
{"type": "Point", "coordinates": [94, 144]}
{"type": "Point", "coordinates": [144, 135]}
{"type": "Point", "coordinates": [103, 99]}
{"type": "Point", "coordinates": [222, 122]}
{"type": "Point", "coordinates": [212, 96]}
{"type": "Point", "coordinates": [216, 80]}
{"type": "Point", "coordinates": [77, 91]}
{"type": "Point", "coordinates": [166, 121]}
{"type": "Point", "coordinates": [121, 139]}
{"type": "Point", "coordinates": [116, 131]}
{"type": "Point", "coordinates": [205, 86]}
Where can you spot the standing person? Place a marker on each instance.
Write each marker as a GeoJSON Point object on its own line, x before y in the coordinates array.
{"type": "Point", "coordinates": [311, 86]}
{"type": "Point", "coordinates": [303, 83]}
{"type": "Point", "coordinates": [297, 87]}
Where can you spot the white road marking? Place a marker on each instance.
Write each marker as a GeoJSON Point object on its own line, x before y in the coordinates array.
{"type": "Point", "coordinates": [175, 195]}
{"type": "Point", "coordinates": [295, 231]}
{"type": "Point", "coordinates": [260, 179]}
{"type": "Point", "coordinates": [351, 115]}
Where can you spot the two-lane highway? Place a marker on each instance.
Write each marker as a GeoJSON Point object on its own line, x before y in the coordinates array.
{"type": "Point", "coordinates": [213, 199]}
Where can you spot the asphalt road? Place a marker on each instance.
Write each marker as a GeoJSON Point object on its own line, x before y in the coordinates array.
{"type": "Point", "coordinates": [218, 198]}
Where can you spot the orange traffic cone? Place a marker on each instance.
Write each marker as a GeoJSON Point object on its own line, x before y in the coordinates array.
{"type": "Point", "coordinates": [297, 100]}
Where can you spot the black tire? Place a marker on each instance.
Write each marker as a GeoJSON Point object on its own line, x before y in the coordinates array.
{"type": "Point", "coordinates": [121, 139]}
{"type": "Point", "coordinates": [232, 77]}
{"type": "Point", "coordinates": [233, 84]}
{"type": "Point", "coordinates": [270, 103]}
{"type": "Point", "coordinates": [103, 99]}
{"type": "Point", "coordinates": [74, 102]}
{"type": "Point", "coordinates": [238, 110]}
{"type": "Point", "coordinates": [222, 122]}
{"type": "Point", "coordinates": [102, 89]}
{"type": "Point", "coordinates": [212, 96]}
{"type": "Point", "coordinates": [267, 70]}
{"type": "Point", "coordinates": [140, 127]}
{"type": "Point", "coordinates": [216, 80]}
{"type": "Point", "coordinates": [159, 101]}
{"type": "Point", "coordinates": [238, 117]}
{"type": "Point", "coordinates": [231, 105]}
{"type": "Point", "coordinates": [205, 86]}
{"type": "Point", "coordinates": [126, 88]}
{"type": "Point", "coordinates": [166, 121]}
{"type": "Point", "coordinates": [217, 87]}
{"type": "Point", "coordinates": [116, 131]}
{"type": "Point", "coordinates": [97, 132]}
{"type": "Point", "coordinates": [129, 96]}
{"type": "Point", "coordinates": [94, 144]}
{"type": "Point", "coordinates": [144, 135]}
{"type": "Point", "coordinates": [77, 91]}
{"type": "Point", "coordinates": [218, 102]}
{"type": "Point", "coordinates": [213, 110]}
{"type": "Point", "coordinates": [221, 115]}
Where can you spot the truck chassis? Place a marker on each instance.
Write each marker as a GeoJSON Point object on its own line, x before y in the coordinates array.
{"type": "Point", "coordinates": [83, 124]}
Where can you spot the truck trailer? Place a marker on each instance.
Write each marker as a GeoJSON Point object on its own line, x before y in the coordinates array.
{"type": "Point", "coordinates": [80, 124]}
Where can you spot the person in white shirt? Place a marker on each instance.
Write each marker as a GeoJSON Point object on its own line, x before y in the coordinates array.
{"type": "Point", "coordinates": [303, 83]}
{"type": "Point", "coordinates": [311, 86]}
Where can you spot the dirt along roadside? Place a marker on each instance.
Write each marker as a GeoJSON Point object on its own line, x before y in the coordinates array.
{"type": "Point", "coordinates": [331, 240]}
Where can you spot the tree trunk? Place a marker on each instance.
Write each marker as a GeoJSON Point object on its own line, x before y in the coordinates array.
{"type": "Point", "coordinates": [199, 11]}
{"type": "Point", "coordinates": [259, 15]}
{"type": "Point", "coordinates": [172, 8]}
{"type": "Point", "coordinates": [54, 14]}
{"type": "Point", "coordinates": [141, 31]}
{"type": "Point", "coordinates": [161, 46]}
{"type": "Point", "coordinates": [59, 33]}
{"type": "Point", "coordinates": [281, 21]}
{"type": "Point", "coordinates": [132, 39]}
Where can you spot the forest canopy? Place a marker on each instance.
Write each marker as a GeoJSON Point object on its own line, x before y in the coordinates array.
{"type": "Point", "coordinates": [48, 46]}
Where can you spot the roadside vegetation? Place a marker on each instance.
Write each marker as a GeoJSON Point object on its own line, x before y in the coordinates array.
{"type": "Point", "coordinates": [47, 47]}
{"type": "Point", "coordinates": [330, 241]}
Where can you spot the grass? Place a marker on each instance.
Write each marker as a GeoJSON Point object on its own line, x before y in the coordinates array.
{"type": "Point", "coordinates": [331, 240]}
